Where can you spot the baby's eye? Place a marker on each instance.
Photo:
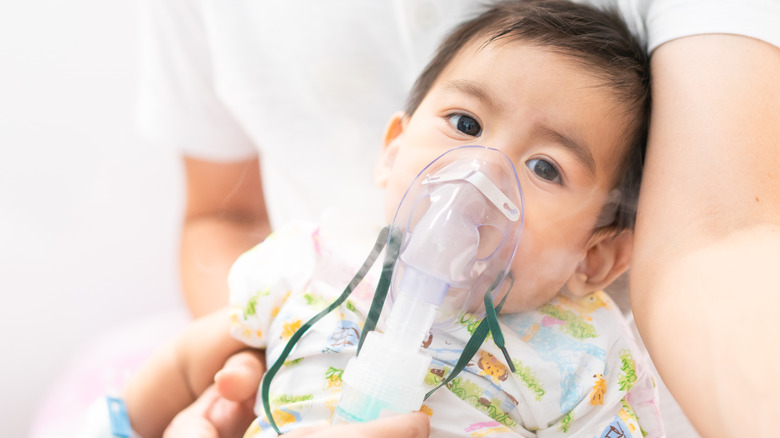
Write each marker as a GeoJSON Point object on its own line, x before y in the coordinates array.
{"type": "Point", "coordinates": [544, 169]}
{"type": "Point", "coordinates": [465, 124]}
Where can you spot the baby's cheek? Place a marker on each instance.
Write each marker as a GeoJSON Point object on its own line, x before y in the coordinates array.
{"type": "Point", "coordinates": [393, 195]}
{"type": "Point", "coordinates": [536, 282]}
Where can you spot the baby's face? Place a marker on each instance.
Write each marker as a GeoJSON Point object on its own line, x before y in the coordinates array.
{"type": "Point", "coordinates": [556, 120]}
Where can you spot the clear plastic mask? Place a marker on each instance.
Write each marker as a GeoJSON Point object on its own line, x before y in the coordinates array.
{"type": "Point", "coordinates": [458, 224]}
{"type": "Point", "coordinates": [461, 219]}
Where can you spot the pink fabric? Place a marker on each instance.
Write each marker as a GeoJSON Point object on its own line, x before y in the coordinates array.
{"type": "Point", "coordinates": [101, 367]}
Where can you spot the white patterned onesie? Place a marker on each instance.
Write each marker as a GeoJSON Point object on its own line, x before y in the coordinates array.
{"type": "Point", "coordinates": [578, 372]}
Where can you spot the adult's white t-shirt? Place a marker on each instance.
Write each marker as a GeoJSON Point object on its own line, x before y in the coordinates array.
{"type": "Point", "coordinates": [308, 85]}
{"type": "Point", "coordinates": [660, 21]}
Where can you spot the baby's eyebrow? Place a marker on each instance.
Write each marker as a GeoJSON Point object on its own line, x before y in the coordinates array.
{"type": "Point", "coordinates": [472, 89]}
{"type": "Point", "coordinates": [572, 143]}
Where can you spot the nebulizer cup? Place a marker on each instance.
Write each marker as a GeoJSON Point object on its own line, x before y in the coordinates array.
{"type": "Point", "coordinates": [459, 222]}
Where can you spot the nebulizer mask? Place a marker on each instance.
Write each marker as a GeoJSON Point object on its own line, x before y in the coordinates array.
{"type": "Point", "coordinates": [448, 252]}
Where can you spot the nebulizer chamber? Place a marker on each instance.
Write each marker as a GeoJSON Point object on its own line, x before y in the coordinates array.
{"type": "Point", "coordinates": [460, 221]}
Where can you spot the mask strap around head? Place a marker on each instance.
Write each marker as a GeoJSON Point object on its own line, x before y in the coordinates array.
{"type": "Point", "coordinates": [381, 240]}
{"type": "Point", "coordinates": [488, 324]}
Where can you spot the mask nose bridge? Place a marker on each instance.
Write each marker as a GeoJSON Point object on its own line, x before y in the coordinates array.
{"type": "Point", "coordinates": [484, 184]}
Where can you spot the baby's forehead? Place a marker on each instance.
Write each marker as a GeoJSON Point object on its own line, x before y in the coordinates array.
{"type": "Point", "coordinates": [584, 62]}
{"type": "Point", "coordinates": [622, 105]}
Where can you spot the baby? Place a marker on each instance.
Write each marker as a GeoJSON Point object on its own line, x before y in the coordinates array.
{"type": "Point", "coordinates": [562, 90]}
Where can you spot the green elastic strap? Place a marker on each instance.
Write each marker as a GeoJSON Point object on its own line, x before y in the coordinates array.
{"type": "Point", "coordinates": [380, 295]}
{"type": "Point", "coordinates": [480, 334]}
{"type": "Point", "coordinates": [269, 375]}
{"type": "Point", "coordinates": [491, 316]}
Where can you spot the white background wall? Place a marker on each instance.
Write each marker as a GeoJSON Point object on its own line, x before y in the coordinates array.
{"type": "Point", "coordinates": [88, 209]}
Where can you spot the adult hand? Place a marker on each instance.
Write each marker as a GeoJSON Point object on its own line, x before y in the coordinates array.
{"type": "Point", "coordinates": [211, 416]}
{"type": "Point", "coordinates": [224, 410]}
{"type": "Point", "coordinates": [415, 425]}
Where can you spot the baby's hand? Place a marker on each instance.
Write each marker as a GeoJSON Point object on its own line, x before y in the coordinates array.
{"type": "Point", "coordinates": [239, 379]}
{"type": "Point", "coordinates": [225, 409]}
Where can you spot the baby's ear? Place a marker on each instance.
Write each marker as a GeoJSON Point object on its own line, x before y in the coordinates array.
{"type": "Point", "coordinates": [384, 168]}
{"type": "Point", "coordinates": [606, 258]}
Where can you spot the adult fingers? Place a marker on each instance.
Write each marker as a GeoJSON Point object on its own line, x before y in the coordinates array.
{"type": "Point", "coordinates": [190, 426]}
{"type": "Point", "coordinates": [231, 418]}
{"type": "Point", "coordinates": [192, 422]}
{"type": "Point", "coordinates": [202, 405]}
{"type": "Point", "coordinates": [212, 416]}
{"type": "Point", "coordinates": [414, 425]}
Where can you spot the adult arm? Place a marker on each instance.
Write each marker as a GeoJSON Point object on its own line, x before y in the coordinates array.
{"type": "Point", "coordinates": [178, 106]}
{"type": "Point", "coordinates": [703, 278]}
{"type": "Point", "coordinates": [225, 216]}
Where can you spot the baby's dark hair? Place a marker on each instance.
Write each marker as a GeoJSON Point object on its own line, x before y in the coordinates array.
{"type": "Point", "coordinates": [597, 38]}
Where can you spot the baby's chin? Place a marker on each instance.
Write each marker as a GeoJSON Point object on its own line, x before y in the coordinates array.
{"type": "Point", "coordinates": [519, 301]}
{"type": "Point", "coordinates": [513, 304]}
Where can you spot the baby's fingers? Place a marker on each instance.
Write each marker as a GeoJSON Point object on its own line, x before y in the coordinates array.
{"type": "Point", "coordinates": [239, 378]}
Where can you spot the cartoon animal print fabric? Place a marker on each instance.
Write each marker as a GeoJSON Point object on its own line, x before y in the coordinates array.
{"type": "Point", "coordinates": [577, 370]}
